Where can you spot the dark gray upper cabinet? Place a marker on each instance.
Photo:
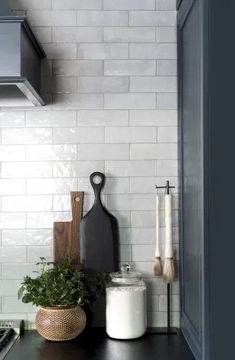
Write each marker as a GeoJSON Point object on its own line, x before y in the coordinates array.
{"type": "Point", "coordinates": [206, 69]}
{"type": "Point", "coordinates": [178, 3]}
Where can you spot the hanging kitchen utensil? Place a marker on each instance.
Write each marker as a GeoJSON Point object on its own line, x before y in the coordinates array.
{"type": "Point", "coordinates": [158, 262]}
{"type": "Point", "coordinates": [168, 269]}
{"type": "Point", "coordinates": [99, 234]}
{"type": "Point", "coordinates": [169, 330]}
{"type": "Point", "coordinates": [67, 234]}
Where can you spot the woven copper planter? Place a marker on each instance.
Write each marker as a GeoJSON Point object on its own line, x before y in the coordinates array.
{"type": "Point", "coordinates": [60, 323]}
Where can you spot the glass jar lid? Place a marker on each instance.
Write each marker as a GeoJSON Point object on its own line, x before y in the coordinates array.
{"type": "Point", "coordinates": [126, 276]}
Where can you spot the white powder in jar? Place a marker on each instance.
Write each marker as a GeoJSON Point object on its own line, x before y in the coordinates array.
{"type": "Point", "coordinates": [126, 312]}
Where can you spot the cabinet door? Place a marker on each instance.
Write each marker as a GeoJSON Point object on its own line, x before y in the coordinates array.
{"type": "Point", "coordinates": [191, 165]}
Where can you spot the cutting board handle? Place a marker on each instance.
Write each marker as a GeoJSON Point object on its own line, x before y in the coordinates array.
{"type": "Point", "coordinates": [97, 180]}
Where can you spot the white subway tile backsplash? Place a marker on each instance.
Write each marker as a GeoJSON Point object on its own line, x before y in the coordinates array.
{"type": "Point", "coordinates": [165, 4]}
{"type": "Point", "coordinates": [131, 168]}
{"type": "Point", "coordinates": [51, 152]}
{"type": "Point", "coordinates": [78, 67]}
{"type": "Point", "coordinates": [125, 236]}
{"type": "Point", "coordinates": [9, 287]}
{"type": "Point", "coordinates": [35, 252]}
{"type": "Point", "coordinates": [145, 268]}
{"type": "Point", "coordinates": [17, 271]}
{"type": "Point", "coordinates": [129, 34]}
{"type": "Point", "coordinates": [30, 4]}
{"type": "Point", "coordinates": [175, 304]}
{"type": "Point", "coordinates": [12, 186]}
{"type": "Point", "coordinates": [129, 101]}
{"type": "Point", "coordinates": [166, 67]}
{"type": "Point", "coordinates": [129, 202]}
{"type": "Point", "coordinates": [41, 237]}
{"type": "Point", "coordinates": [50, 118]}
{"type": "Point", "coordinates": [167, 134]}
{"type": "Point", "coordinates": [167, 101]}
{"type": "Point", "coordinates": [44, 220]}
{"type": "Point", "coordinates": [125, 252]}
{"type": "Point", "coordinates": [153, 303]}
{"type": "Point", "coordinates": [12, 152]}
{"type": "Point", "coordinates": [167, 167]}
{"type": "Point", "coordinates": [103, 118]}
{"type": "Point", "coordinates": [52, 17]}
{"type": "Point", "coordinates": [44, 34]}
{"type": "Point", "coordinates": [153, 118]}
{"type": "Point", "coordinates": [78, 101]}
{"type": "Point", "coordinates": [145, 219]}
{"type": "Point", "coordinates": [153, 84]}
{"type": "Point", "coordinates": [12, 316]}
{"type": "Point", "coordinates": [153, 151]}
{"type": "Point", "coordinates": [166, 34]}
{"type": "Point", "coordinates": [26, 170]}
{"type": "Point", "coordinates": [143, 236]}
{"type": "Point", "coordinates": [59, 84]}
{"type": "Point", "coordinates": [77, 4]}
{"type": "Point", "coordinates": [27, 136]}
{"type": "Point", "coordinates": [160, 318]}
{"type": "Point", "coordinates": [110, 84]}
{"type": "Point", "coordinates": [129, 67]}
{"type": "Point", "coordinates": [130, 134]}
{"type": "Point", "coordinates": [77, 34]}
{"type": "Point", "coordinates": [104, 151]}
{"type": "Point", "coordinates": [143, 252]}
{"type": "Point", "coordinates": [102, 18]}
{"type": "Point", "coordinates": [50, 186]}
{"type": "Point", "coordinates": [76, 168]}
{"type": "Point", "coordinates": [124, 219]}
{"type": "Point", "coordinates": [109, 81]}
{"type": "Point", "coordinates": [9, 303]}
{"type": "Point", "coordinates": [13, 254]}
{"type": "Point", "coordinates": [152, 18]}
{"type": "Point", "coordinates": [62, 203]}
{"type": "Point", "coordinates": [129, 4]}
{"type": "Point", "coordinates": [146, 185]}
{"type": "Point", "coordinates": [117, 185]}
{"type": "Point", "coordinates": [153, 51]}
{"type": "Point", "coordinates": [26, 203]}
{"type": "Point", "coordinates": [12, 119]}
{"type": "Point", "coordinates": [81, 135]}
{"type": "Point", "coordinates": [60, 51]}
{"type": "Point", "coordinates": [12, 220]}
{"type": "Point", "coordinates": [102, 51]}
{"type": "Point", "coordinates": [156, 285]}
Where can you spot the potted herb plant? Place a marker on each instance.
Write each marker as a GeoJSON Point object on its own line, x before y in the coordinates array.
{"type": "Point", "coordinates": [60, 291]}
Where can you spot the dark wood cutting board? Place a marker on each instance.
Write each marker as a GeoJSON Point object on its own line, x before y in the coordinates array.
{"type": "Point", "coordinates": [67, 234]}
{"type": "Point", "coordinates": [99, 234]}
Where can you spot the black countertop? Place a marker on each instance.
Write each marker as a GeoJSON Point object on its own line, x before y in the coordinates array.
{"type": "Point", "coordinates": [96, 345]}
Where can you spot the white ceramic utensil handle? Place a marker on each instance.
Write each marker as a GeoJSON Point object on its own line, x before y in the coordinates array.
{"type": "Point", "coordinates": [168, 226]}
{"type": "Point", "coordinates": [157, 249]}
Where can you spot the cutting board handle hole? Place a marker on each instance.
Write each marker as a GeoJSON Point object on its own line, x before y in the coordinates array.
{"type": "Point", "coordinates": [77, 199]}
{"type": "Point", "coordinates": [96, 179]}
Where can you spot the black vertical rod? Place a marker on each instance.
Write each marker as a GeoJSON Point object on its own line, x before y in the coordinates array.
{"type": "Point", "coordinates": [168, 285]}
{"type": "Point", "coordinates": [169, 331]}
{"type": "Point", "coordinates": [168, 187]}
{"type": "Point", "coordinates": [168, 309]}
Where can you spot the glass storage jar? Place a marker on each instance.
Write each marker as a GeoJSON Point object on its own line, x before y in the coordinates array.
{"type": "Point", "coordinates": [126, 315]}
